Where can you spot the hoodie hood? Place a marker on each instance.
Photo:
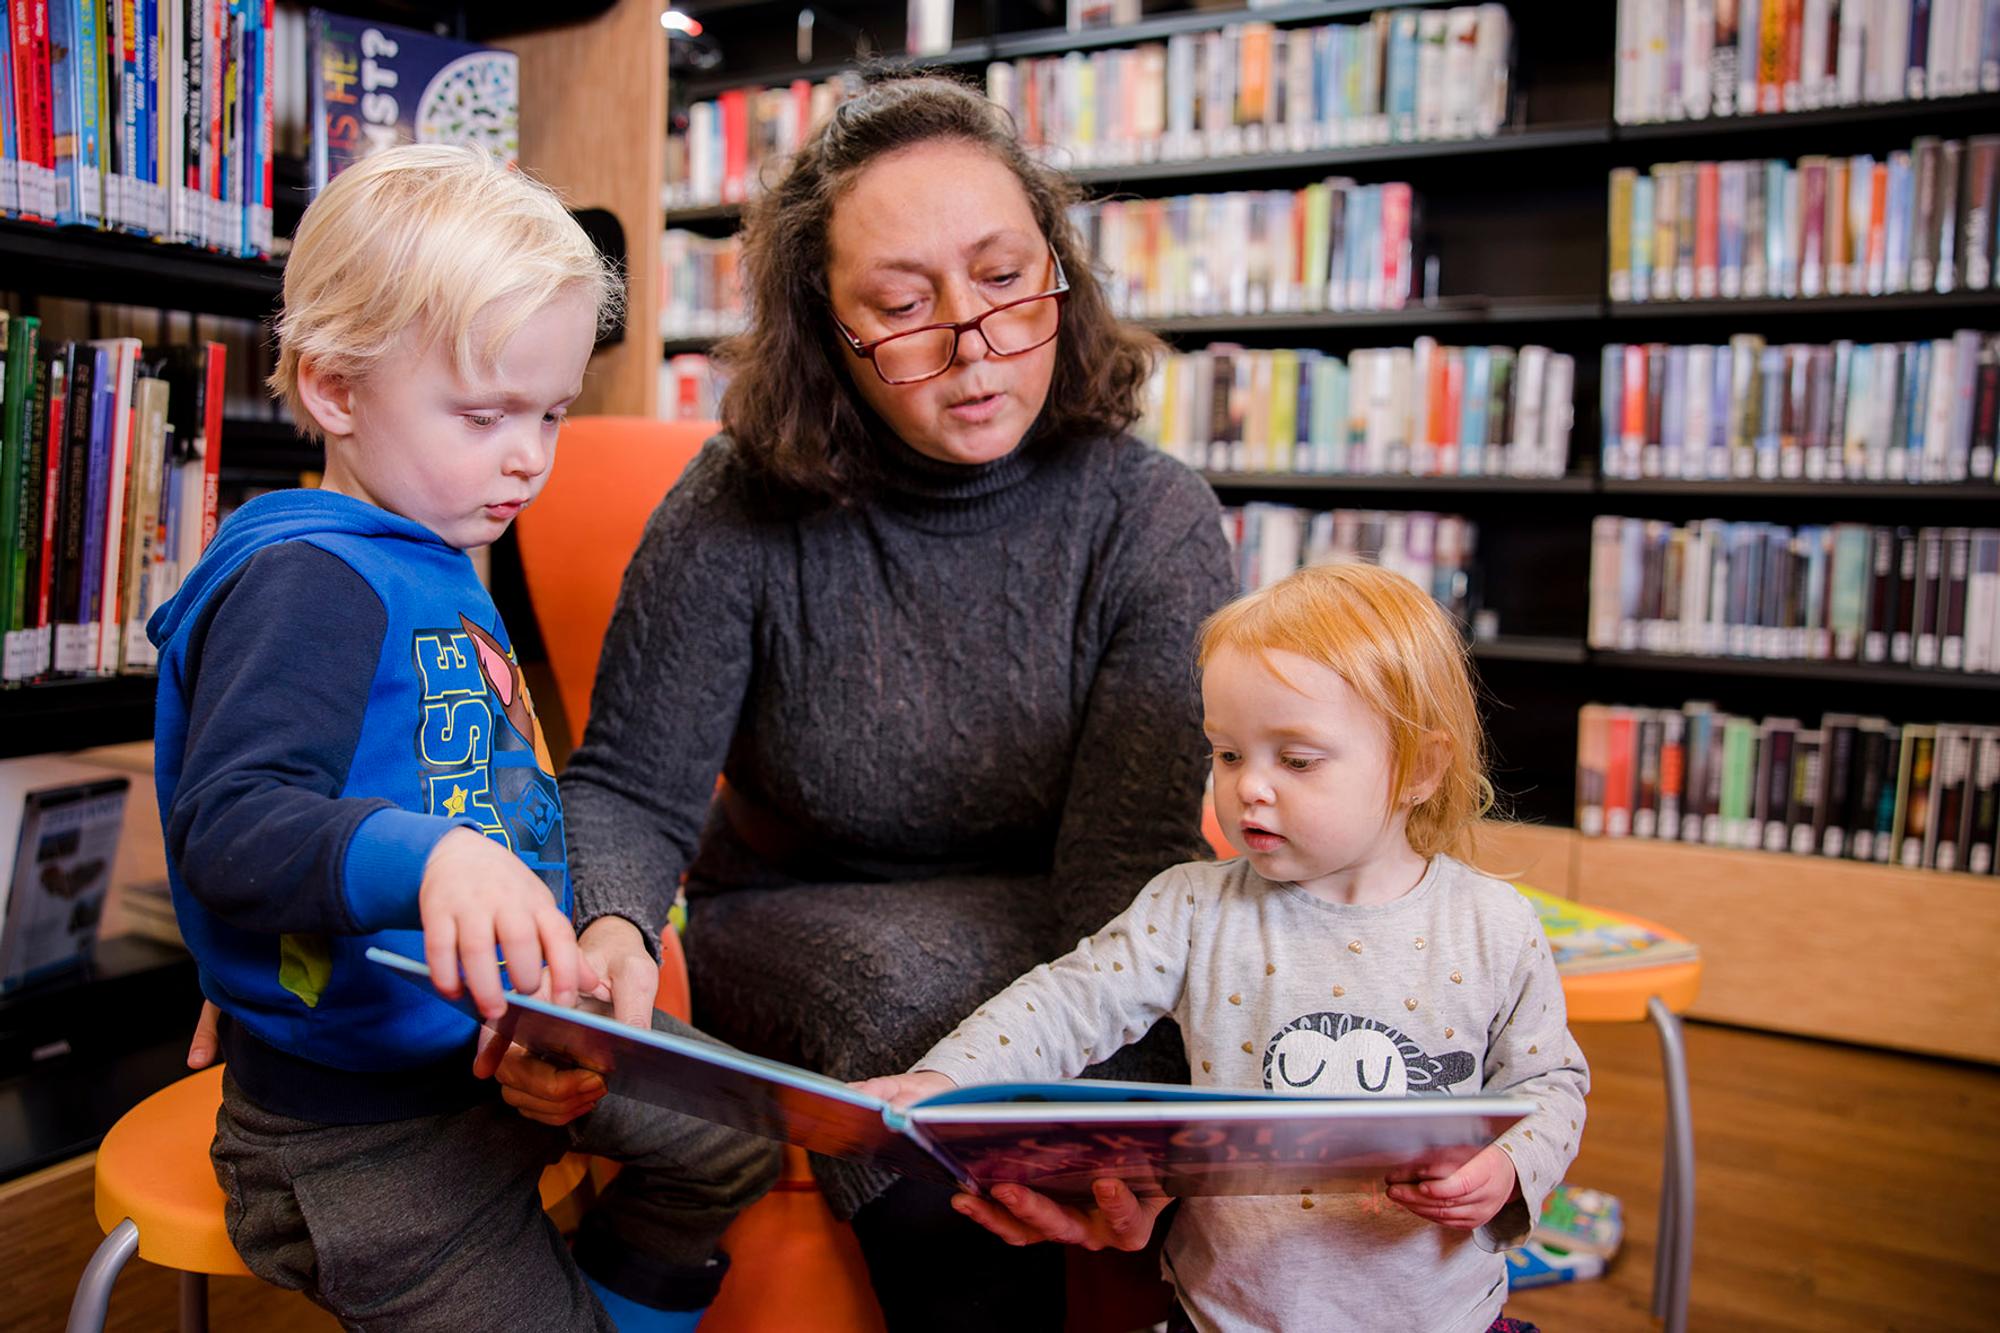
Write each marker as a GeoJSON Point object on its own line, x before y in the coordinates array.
{"type": "Point", "coordinates": [281, 516]}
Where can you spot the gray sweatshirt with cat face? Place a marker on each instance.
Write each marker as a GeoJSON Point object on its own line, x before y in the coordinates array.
{"type": "Point", "coordinates": [1449, 988]}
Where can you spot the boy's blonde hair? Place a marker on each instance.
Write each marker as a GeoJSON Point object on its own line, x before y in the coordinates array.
{"type": "Point", "coordinates": [429, 235]}
{"type": "Point", "coordinates": [1397, 650]}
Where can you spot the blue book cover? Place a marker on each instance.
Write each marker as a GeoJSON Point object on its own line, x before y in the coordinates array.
{"type": "Point", "coordinates": [1719, 417]}
{"type": "Point", "coordinates": [10, 202]}
{"type": "Point", "coordinates": [1473, 411]}
{"type": "Point", "coordinates": [104, 398]}
{"type": "Point", "coordinates": [1401, 94]}
{"type": "Point", "coordinates": [373, 85]}
{"type": "Point", "coordinates": [1054, 1137]}
{"type": "Point", "coordinates": [1610, 408]}
{"type": "Point", "coordinates": [1642, 238]}
{"type": "Point", "coordinates": [78, 69]}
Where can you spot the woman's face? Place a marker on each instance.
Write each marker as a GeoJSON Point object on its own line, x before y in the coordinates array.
{"type": "Point", "coordinates": [933, 234]}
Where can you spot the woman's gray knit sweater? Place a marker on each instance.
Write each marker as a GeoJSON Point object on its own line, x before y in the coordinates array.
{"type": "Point", "coordinates": [959, 725]}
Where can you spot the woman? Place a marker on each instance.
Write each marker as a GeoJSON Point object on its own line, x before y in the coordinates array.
{"type": "Point", "coordinates": [929, 612]}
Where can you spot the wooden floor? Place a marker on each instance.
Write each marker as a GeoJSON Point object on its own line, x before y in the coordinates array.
{"type": "Point", "coordinates": [1837, 1189]}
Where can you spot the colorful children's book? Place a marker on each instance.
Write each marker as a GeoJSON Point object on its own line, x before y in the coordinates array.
{"type": "Point", "coordinates": [1583, 939]}
{"type": "Point", "coordinates": [1539, 1265]}
{"type": "Point", "coordinates": [1581, 1221]}
{"type": "Point", "coordinates": [374, 85]}
{"type": "Point", "coordinates": [1053, 1137]}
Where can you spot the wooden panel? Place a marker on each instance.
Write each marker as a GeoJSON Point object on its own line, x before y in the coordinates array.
{"type": "Point", "coordinates": [593, 124]}
{"type": "Point", "coordinates": [48, 1233]}
{"type": "Point", "coordinates": [1888, 957]}
{"type": "Point", "coordinates": [1531, 853]}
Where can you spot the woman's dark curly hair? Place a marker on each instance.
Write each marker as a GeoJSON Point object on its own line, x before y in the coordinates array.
{"type": "Point", "coordinates": [790, 407]}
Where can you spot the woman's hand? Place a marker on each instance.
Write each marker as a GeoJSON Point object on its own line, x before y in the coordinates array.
{"type": "Point", "coordinates": [207, 1038]}
{"type": "Point", "coordinates": [614, 950]}
{"type": "Point", "coordinates": [1118, 1220]}
{"type": "Point", "coordinates": [901, 1090]}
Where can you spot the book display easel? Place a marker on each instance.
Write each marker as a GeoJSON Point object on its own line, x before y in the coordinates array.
{"type": "Point", "coordinates": [1852, 167]}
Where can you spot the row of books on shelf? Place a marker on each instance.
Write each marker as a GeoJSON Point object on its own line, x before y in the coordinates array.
{"type": "Point", "coordinates": [1403, 75]}
{"type": "Point", "coordinates": [1921, 220]}
{"type": "Point", "coordinates": [1848, 592]}
{"type": "Point", "coordinates": [701, 284]}
{"type": "Point", "coordinates": [1925, 796]}
{"type": "Point", "coordinates": [109, 463]}
{"type": "Point", "coordinates": [1334, 245]}
{"type": "Point", "coordinates": [153, 117]}
{"type": "Point", "coordinates": [1925, 411]}
{"type": "Point", "coordinates": [1434, 551]}
{"type": "Point", "coordinates": [1423, 410]}
{"type": "Point", "coordinates": [1692, 59]}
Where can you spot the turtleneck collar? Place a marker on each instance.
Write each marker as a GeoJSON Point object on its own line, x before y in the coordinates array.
{"type": "Point", "coordinates": [952, 497]}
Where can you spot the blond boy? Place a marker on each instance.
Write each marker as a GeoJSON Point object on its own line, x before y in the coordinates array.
{"type": "Point", "coordinates": [346, 755]}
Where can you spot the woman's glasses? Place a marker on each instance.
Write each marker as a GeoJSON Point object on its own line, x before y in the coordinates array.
{"type": "Point", "coordinates": [922, 354]}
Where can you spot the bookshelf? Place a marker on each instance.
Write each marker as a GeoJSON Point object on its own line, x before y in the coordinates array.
{"type": "Point", "coordinates": [1519, 225]}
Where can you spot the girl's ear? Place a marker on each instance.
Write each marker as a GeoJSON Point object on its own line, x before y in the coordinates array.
{"type": "Point", "coordinates": [328, 398]}
{"type": "Point", "coordinates": [1428, 770]}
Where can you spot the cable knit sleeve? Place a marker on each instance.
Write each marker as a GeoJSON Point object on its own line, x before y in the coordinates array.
{"type": "Point", "coordinates": [670, 686]}
{"type": "Point", "coordinates": [1134, 802]}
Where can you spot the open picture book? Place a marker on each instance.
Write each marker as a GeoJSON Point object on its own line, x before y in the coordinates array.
{"type": "Point", "coordinates": [1053, 1137]}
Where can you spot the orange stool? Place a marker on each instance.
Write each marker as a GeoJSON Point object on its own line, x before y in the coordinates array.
{"type": "Point", "coordinates": [157, 1198]}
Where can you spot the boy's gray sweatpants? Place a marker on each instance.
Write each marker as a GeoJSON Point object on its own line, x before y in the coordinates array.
{"type": "Point", "coordinates": [436, 1222]}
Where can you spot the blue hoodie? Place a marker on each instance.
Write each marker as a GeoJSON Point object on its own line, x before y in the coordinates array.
{"type": "Point", "coordinates": [336, 693]}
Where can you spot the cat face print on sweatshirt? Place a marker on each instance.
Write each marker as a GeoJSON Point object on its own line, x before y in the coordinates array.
{"type": "Point", "coordinates": [1347, 1055]}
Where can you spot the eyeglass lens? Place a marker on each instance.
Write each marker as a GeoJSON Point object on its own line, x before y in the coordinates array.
{"type": "Point", "coordinates": [1008, 331]}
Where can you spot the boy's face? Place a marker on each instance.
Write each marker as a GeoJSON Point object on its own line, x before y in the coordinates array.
{"type": "Point", "coordinates": [461, 455]}
{"type": "Point", "coordinates": [1302, 770]}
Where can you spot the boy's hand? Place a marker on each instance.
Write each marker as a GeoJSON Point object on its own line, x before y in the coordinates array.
{"type": "Point", "coordinates": [1466, 1199]}
{"type": "Point", "coordinates": [475, 895]}
{"type": "Point", "coordinates": [901, 1090]}
{"type": "Point", "coordinates": [207, 1037]}
{"type": "Point", "coordinates": [1118, 1220]}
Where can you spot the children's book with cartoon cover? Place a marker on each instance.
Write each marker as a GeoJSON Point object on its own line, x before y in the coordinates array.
{"type": "Point", "coordinates": [1583, 939]}
{"type": "Point", "coordinates": [375, 85]}
{"type": "Point", "coordinates": [1583, 1221]}
{"type": "Point", "coordinates": [1053, 1137]}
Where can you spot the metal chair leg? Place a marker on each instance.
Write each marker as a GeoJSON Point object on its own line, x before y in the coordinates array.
{"type": "Point", "coordinates": [1677, 1200]}
{"type": "Point", "coordinates": [93, 1289]}
{"type": "Point", "coordinates": [1665, 1234]}
{"type": "Point", "coordinates": [194, 1303]}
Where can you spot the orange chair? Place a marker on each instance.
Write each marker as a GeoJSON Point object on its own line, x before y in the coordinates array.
{"type": "Point", "coordinates": [793, 1265]}
{"type": "Point", "coordinates": [1658, 995]}
{"type": "Point", "coordinates": [157, 1197]}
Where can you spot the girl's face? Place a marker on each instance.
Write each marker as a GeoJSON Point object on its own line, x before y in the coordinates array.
{"type": "Point", "coordinates": [938, 233]}
{"type": "Point", "coordinates": [1302, 772]}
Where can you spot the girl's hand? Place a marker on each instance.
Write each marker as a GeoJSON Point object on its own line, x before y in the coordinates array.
{"type": "Point", "coordinates": [1466, 1199]}
{"type": "Point", "coordinates": [1119, 1220]}
{"type": "Point", "coordinates": [901, 1090]}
